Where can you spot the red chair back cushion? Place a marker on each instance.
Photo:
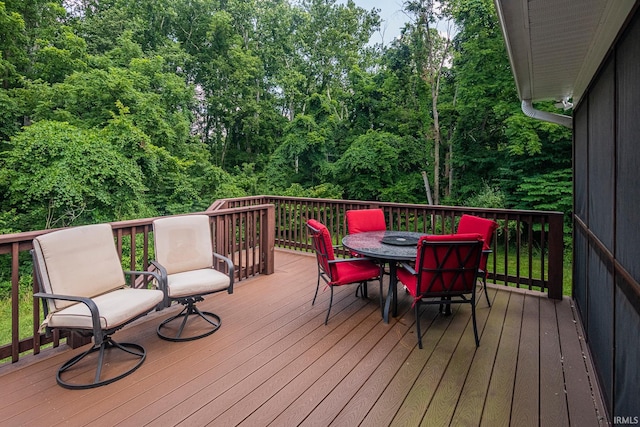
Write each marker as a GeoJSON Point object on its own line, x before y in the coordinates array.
{"type": "Point", "coordinates": [323, 246]}
{"type": "Point", "coordinates": [475, 224]}
{"type": "Point", "coordinates": [361, 220]}
{"type": "Point", "coordinates": [486, 227]}
{"type": "Point", "coordinates": [447, 267]}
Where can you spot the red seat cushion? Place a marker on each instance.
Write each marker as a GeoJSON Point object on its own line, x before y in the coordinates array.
{"type": "Point", "coordinates": [342, 273]}
{"type": "Point", "coordinates": [354, 272]}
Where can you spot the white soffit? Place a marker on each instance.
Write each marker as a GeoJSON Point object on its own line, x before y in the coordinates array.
{"type": "Point", "coordinates": [556, 46]}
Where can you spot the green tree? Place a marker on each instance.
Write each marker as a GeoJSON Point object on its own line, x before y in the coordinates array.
{"type": "Point", "coordinates": [431, 53]}
{"type": "Point", "coordinates": [56, 175]}
{"type": "Point", "coordinates": [12, 46]}
{"type": "Point", "coordinates": [368, 166]}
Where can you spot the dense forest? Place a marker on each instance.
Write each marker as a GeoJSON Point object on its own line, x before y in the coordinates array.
{"type": "Point", "coordinates": [120, 109]}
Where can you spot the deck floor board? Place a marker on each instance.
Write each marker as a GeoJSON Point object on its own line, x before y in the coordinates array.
{"type": "Point", "coordinates": [274, 362]}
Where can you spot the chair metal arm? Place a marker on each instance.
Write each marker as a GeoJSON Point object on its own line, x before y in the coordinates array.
{"type": "Point", "coordinates": [146, 273]}
{"type": "Point", "coordinates": [408, 268]}
{"type": "Point", "coordinates": [164, 281]}
{"type": "Point", "coordinates": [334, 261]}
{"type": "Point", "coordinates": [93, 308]}
{"type": "Point", "coordinates": [230, 267]}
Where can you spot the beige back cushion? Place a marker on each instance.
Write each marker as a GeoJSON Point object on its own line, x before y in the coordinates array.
{"type": "Point", "coordinates": [80, 261]}
{"type": "Point", "coordinates": [183, 243]}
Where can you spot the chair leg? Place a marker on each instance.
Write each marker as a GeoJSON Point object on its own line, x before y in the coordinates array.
{"type": "Point", "coordinates": [381, 298]}
{"type": "Point", "coordinates": [418, 332]}
{"type": "Point", "coordinates": [486, 295]}
{"type": "Point", "coordinates": [316, 294]}
{"type": "Point", "coordinates": [190, 310]}
{"type": "Point", "coordinates": [475, 326]}
{"type": "Point", "coordinates": [107, 345]}
{"type": "Point", "coordinates": [363, 290]}
{"type": "Point", "coordinates": [445, 307]}
{"type": "Point", "coordinates": [326, 320]}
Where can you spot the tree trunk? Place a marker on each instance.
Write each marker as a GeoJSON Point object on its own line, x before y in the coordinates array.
{"type": "Point", "coordinates": [450, 170]}
{"type": "Point", "coordinates": [427, 188]}
{"type": "Point", "coordinates": [436, 144]}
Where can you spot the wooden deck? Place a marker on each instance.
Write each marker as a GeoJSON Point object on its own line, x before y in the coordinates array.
{"type": "Point", "coordinates": [274, 362]}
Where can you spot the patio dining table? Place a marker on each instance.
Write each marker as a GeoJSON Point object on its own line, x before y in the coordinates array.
{"type": "Point", "coordinates": [386, 247]}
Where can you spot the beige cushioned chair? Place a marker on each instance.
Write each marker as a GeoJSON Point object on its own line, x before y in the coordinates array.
{"type": "Point", "coordinates": [189, 269]}
{"type": "Point", "coordinates": [83, 288]}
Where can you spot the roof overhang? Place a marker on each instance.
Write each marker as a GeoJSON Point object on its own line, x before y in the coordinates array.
{"type": "Point", "coordinates": [556, 46]}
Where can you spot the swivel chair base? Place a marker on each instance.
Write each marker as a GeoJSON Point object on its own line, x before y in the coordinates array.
{"type": "Point", "coordinates": [108, 345]}
{"type": "Point", "coordinates": [189, 312]}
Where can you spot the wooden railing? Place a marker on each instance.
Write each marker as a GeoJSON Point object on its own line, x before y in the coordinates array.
{"type": "Point", "coordinates": [528, 247]}
{"type": "Point", "coordinates": [244, 234]}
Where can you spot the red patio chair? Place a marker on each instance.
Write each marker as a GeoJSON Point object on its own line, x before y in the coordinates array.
{"type": "Point", "coordinates": [363, 220]}
{"type": "Point", "coordinates": [486, 228]}
{"type": "Point", "coordinates": [338, 272]}
{"type": "Point", "coordinates": [445, 273]}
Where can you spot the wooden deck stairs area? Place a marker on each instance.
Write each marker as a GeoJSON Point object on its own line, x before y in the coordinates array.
{"type": "Point", "coordinates": [274, 362]}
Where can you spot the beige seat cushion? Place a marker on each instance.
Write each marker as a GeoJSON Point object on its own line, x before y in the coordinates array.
{"type": "Point", "coordinates": [197, 282]}
{"type": "Point", "coordinates": [115, 308]}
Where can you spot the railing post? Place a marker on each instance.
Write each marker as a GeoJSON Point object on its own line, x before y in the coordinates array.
{"type": "Point", "coordinates": [556, 256]}
{"type": "Point", "coordinates": [268, 234]}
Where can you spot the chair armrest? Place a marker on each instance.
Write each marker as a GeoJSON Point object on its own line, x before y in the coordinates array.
{"type": "Point", "coordinates": [93, 308]}
{"type": "Point", "coordinates": [230, 267]}
{"type": "Point", "coordinates": [408, 268]}
{"type": "Point", "coordinates": [147, 273]}
{"type": "Point", "coordinates": [334, 261]}
{"type": "Point", "coordinates": [481, 272]}
{"type": "Point", "coordinates": [163, 281]}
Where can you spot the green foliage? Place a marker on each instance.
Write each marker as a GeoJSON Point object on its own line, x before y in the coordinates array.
{"type": "Point", "coordinates": [368, 166]}
{"type": "Point", "coordinates": [322, 191]}
{"type": "Point", "coordinates": [12, 45]}
{"type": "Point", "coordinates": [159, 108]}
{"type": "Point", "coordinates": [57, 175]}
{"type": "Point", "coordinates": [249, 180]}
{"type": "Point", "coordinates": [551, 191]}
{"type": "Point", "coordinates": [61, 56]}
{"type": "Point", "coordinates": [488, 197]}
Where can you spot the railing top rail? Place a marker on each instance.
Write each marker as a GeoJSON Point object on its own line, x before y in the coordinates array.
{"type": "Point", "coordinates": [28, 236]}
{"type": "Point", "coordinates": [460, 209]}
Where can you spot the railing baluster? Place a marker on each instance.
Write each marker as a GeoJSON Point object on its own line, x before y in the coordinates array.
{"type": "Point", "coordinates": [248, 231]}
{"type": "Point", "coordinates": [15, 302]}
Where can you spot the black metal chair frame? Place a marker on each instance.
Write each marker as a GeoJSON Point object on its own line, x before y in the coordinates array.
{"type": "Point", "coordinates": [190, 308]}
{"type": "Point", "coordinates": [102, 341]}
{"type": "Point", "coordinates": [483, 275]}
{"type": "Point", "coordinates": [448, 296]}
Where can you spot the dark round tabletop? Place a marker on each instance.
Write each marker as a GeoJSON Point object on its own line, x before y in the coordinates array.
{"type": "Point", "coordinates": [387, 245]}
